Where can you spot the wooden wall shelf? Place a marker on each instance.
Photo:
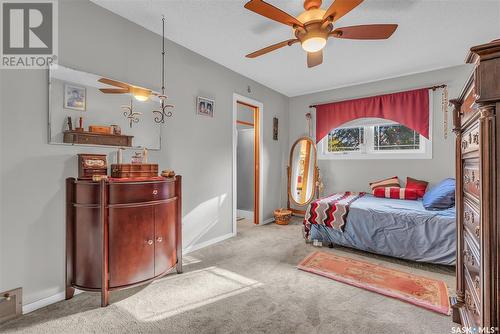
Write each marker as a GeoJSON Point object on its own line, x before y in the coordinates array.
{"type": "Point", "coordinates": [90, 138]}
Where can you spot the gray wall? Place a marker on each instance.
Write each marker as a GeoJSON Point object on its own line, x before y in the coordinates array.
{"type": "Point", "coordinates": [32, 172]}
{"type": "Point", "coordinates": [245, 170]}
{"type": "Point", "coordinates": [342, 175]}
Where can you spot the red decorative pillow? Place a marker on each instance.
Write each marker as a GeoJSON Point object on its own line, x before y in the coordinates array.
{"type": "Point", "coordinates": [390, 182]}
{"type": "Point", "coordinates": [396, 193]}
{"type": "Point", "coordinates": [419, 185]}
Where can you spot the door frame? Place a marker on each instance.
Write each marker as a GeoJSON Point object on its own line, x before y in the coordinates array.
{"type": "Point", "coordinates": [258, 149]}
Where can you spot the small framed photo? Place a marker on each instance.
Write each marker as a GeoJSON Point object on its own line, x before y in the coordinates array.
{"type": "Point", "coordinates": [275, 128]}
{"type": "Point", "coordinates": [205, 106]}
{"type": "Point", "coordinates": [75, 97]}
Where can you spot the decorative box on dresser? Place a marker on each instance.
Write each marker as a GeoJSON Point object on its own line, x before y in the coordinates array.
{"type": "Point", "coordinates": [477, 146]}
{"type": "Point", "coordinates": [121, 232]}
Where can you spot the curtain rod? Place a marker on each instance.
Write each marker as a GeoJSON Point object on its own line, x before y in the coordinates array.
{"type": "Point", "coordinates": [432, 87]}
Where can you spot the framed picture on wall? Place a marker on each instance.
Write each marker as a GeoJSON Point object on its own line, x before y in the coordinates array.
{"type": "Point", "coordinates": [275, 128]}
{"type": "Point", "coordinates": [75, 97]}
{"type": "Point", "coordinates": [205, 106]}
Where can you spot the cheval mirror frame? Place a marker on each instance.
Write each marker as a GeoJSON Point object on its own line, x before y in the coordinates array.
{"type": "Point", "coordinates": [315, 177]}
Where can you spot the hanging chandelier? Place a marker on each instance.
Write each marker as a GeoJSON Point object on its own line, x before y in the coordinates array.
{"type": "Point", "coordinates": [164, 111]}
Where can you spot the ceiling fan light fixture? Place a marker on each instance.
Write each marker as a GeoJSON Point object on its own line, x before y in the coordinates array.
{"type": "Point", "coordinates": [141, 94]}
{"type": "Point", "coordinates": [141, 98]}
{"type": "Point", "coordinates": [313, 27]}
{"type": "Point", "coordinates": [314, 44]}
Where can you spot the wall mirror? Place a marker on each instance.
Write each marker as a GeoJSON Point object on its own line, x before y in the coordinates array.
{"type": "Point", "coordinates": [103, 105]}
{"type": "Point", "coordinates": [302, 172]}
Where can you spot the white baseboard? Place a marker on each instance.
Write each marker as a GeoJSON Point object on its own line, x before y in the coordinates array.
{"type": "Point", "coordinates": [244, 214]}
{"type": "Point", "coordinates": [61, 295]}
{"type": "Point", "coordinates": [249, 215]}
{"type": "Point", "coordinates": [207, 243]}
{"type": "Point", "coordinates": [267, 221]}
{"type": "Point", "coordinates": [46, 301]}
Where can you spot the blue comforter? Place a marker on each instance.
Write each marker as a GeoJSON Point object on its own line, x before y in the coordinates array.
{"type": "Point", "coordinates": [398, 228]}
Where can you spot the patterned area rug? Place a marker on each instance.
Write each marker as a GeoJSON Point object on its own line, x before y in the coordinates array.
{"type": "Point", "coordinates": [418, 290]}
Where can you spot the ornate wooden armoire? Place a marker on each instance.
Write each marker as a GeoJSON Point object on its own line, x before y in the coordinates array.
{"type": "Point", "coordinates": [477, 146]}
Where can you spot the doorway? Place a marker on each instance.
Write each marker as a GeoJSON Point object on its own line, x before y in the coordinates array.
{"type": "Point", "coordinates": [247, 151]}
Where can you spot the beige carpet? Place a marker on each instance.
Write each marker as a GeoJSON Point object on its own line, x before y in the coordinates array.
{"type": "Point", "coordinates": [247, 284]}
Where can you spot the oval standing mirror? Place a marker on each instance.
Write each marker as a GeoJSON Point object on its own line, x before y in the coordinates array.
{"type": "Point", "coordinates": [302, 171]}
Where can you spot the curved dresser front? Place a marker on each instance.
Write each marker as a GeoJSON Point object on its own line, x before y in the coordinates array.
{"type": "Point", "coordinates": [121, 233]}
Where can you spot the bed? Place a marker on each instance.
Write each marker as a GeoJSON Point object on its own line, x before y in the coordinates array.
{"type": "Point", "coordinates": [398, 228]}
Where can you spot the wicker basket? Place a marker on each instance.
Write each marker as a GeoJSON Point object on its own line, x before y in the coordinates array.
{"type": "Point", "coordinates": [282, 216]}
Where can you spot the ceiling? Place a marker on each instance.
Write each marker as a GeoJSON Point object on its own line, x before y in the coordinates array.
{"type": "Point", "coordinates": [432, 34]}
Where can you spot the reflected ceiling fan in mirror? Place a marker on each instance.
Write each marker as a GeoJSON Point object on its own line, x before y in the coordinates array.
{"type": "Point", "coordinates": [313, 27]}
{"type": "Point", "coordinates": [143, 94]}
{"type": "Point", "coordinates": [139, 93]}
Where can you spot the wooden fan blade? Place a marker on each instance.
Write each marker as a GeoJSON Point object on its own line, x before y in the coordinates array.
{"type": "Point", "coordinates": [271, 12]}
{"type": "Point", "coordinates": [370, 31]}
{"type": "Point", "coordinates": [272, 48]}
{"type": "Point", "coordinates": [341, 7]}
{"type": "Point", "coordinates": [114, 83]}
{"type": "Point", "coordinates": [314, 58]}
{"type": "Point", "coordinates": [114, 90]}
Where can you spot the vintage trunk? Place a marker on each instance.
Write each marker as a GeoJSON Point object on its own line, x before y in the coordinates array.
{"type": "Point", "coordinates": [134, 170]}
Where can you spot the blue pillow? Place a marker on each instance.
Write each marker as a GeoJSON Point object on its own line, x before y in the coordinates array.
{"type": "Point", "coordinates": [441, 196]}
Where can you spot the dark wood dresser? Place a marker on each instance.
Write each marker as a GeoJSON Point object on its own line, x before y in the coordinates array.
{"type": "Point", "coordinates": [477, 147]}
{"type": "Point", "coordinates": [121, 233]}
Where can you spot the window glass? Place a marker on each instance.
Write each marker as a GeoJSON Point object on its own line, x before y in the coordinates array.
{"type": "Point", "coordinates": [395, 137]}
{"type": "Point", "coordinates": [345, 139]}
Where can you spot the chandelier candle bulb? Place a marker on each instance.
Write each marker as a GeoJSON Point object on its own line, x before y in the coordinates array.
{"type": "Point", "coordinates": [119, 156]}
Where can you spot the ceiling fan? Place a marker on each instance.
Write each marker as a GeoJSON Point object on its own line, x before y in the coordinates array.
{"type": "Point", "coordinates": [313, 27]}
{"type": "Point", "coordinates": [140, 94]}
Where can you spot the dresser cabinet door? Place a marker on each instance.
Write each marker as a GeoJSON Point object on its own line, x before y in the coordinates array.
{"type": "Point", "coordinates": [165, 250]}
{"type": "Point", "coordinates": [131, 245]}
{"type": "Point", "coordinates": [87, 252]}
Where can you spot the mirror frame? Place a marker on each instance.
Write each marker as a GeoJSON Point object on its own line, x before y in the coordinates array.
{"type": "Point", "coordinates": [315, 176]}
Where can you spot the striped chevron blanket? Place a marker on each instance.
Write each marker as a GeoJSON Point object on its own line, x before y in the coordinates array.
{"type": "Point", "coordinates": [330, 211]}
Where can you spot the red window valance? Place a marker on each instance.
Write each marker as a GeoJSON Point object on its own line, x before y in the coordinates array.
{"type": "Point", "coordinates": [410, 109]}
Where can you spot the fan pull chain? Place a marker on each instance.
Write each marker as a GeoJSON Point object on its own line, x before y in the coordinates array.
{"type": "Point", "coordinates": [444, 107]}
